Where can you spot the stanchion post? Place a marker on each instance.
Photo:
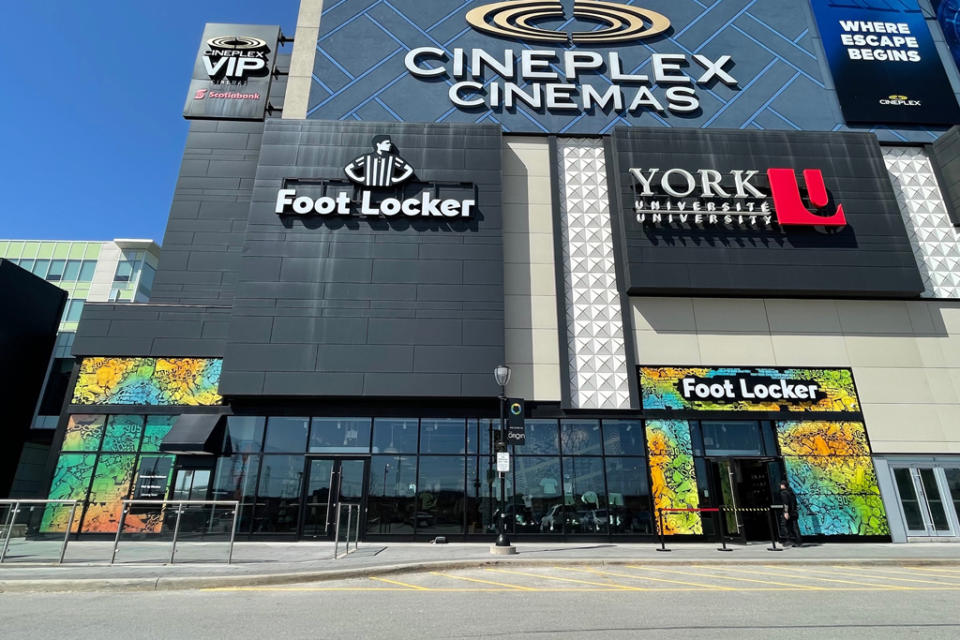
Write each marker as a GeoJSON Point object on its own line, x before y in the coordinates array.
{"type": "Point", "coordinates": [176, 532]}
{"type": "Point", "coordinates": [773, 537]}
{"type": "Point", "coordinates": [663, 542]}
{"type": "Point", "coordinates": [14, 509]}
{"type": "Point", "coordinates": [233, 531]}
{"type": "Point", "coordinates": [723, 537]}
{"type": "Point", "coordinates": [66, 537]}
{"type": "Point", "coordinates": [116, 538]}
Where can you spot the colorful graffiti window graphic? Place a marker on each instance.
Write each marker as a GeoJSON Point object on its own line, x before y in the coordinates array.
{"type": "Point", "coordinates": [830, 469]}
{"type": "Point", "coordinates": [663, 388]}
{"type": "Point", "coordinates": [148, 381]}
{"type": "Point", "coordinates": [83, 433]}
{"type": "Point", "coordinates": [103, 473]}
{"type": "Point", "coordinates": [673, 475]}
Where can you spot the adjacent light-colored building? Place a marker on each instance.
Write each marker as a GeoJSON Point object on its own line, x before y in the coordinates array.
{"type": "Point", "coordinates": [119, 270]}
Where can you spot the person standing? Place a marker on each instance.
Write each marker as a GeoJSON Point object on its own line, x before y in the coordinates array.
{"type": "Point", "coordinates": [790, 516]}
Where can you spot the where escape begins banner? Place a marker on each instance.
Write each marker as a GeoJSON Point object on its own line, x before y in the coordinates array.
{"type": "Point", "coordinates": [885, 64]}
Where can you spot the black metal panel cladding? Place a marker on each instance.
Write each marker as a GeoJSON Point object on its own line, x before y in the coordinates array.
{"type": "Point", "coordinates": [946, 157]}
{"type": "Point", "coordinates": [329, 306]}
{"type": "Point", "coordinates": [870, 257]}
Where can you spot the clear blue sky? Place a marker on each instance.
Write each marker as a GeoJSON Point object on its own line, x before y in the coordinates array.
{"type": "Point", "coordinates": [91, 123]}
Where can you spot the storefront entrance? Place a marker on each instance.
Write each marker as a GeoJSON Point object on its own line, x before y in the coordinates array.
{"type": "Point", "coordinates": [750, 486]}
{"type": "Point", "coordinates": [930, 499]}
{"type": "Point", "coordinates": [331, 481]}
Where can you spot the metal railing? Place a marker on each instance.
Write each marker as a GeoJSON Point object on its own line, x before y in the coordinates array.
{"type": "Point", "coordinates": [11, 521]}
{"type": "Point", "coordinates": [336, 534]}
{"type": "Point", "coordinates": [178, 507]}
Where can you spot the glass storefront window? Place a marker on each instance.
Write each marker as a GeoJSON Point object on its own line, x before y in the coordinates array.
{"type": "Point", "coordinates": [395, 435]}
{"type": "Point", "coordinates": [244, 434]}
{"type": "Point", "coordinates": [83, 432]}
{"type": "Point", "coordinates": [155, 431]}
{"type": "Point", "coordinates": [483, 493]}
{"type": "Point", "coordinates": [953, 485]}
{"type": "Point", "coordinates": [623, 438]}
{"type": "Point", "coordinates": [480, 434]}
{"type": "Point", "coordinates": [538, 504]}
{"type": "Point", "coordinates": [122, 433]}
{"type": "Point", "coordinates": [580, 437]}
{"type": "Point", "coordinates": [542, 438]}
{"type": "Point", "coordinates": [440, 495]}
{"type": "Point", "coordinates": [628, 500]}
{"type": "Point", "coordinates": [585, 495]}
{"type": "Point", "coordinates": [340, 435]}
{"type": "Point", "coordinates": [391, 502]}
{"type": "Point", "coordinates": [442, 436]}
{"type": "Point", "coordinates": [732, 438]}
{"type": "Point", "coordinates": [236, 479]}
{"type": "Point", "coordinates": [288, 435]}
{"type": "Point", "coordinates": [277, 508]}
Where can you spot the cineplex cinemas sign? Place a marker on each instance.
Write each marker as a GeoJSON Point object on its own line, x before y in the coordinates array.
{"type": "Point", "coordinates": [576, 81]}
{"type": "Point", "coordinates": [736, 198]}
{"type": "Point", "coordinates": [377, 176]}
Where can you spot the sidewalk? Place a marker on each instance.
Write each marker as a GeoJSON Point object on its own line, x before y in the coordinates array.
{"type": "Point", "coordinates": [139, 565]}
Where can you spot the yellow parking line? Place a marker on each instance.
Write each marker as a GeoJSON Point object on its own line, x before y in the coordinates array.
{"type": "Point", "coordinates": [498, 584]}
{"type": "Point", "coordinates": [305, 589]}
{"type": "Point", "coordinates": [402, 584]}
{"type": "Point", "coordinates": [950, 572]}
{"type": "Point", "coordinates": [595, 584]}
{"type": "Point", "coordinates": [700, 587]}
{"type": "Point", "coordinates": [871, 574]}
{"type": "Point", "coordinates": [779, 584]}
{"type": "Point", "coordinates": [712, 587]}
{"type": "Point", "coordinates": [862, 584]}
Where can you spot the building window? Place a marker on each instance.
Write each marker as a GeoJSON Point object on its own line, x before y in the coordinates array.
{"type": "Point", "coordinates": [87, 267]}
{"type": "Point", "coordinates": [55, 274]}
{"type": "Point", "coordinates": [73, 311]}
{"type": "Point", "coordinates": [72, 271]}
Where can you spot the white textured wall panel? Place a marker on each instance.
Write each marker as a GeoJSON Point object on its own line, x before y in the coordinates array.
{"type": "Point", "coordinates": [935, 241]}
{"type": "Point", "coordinates": [595, 341]}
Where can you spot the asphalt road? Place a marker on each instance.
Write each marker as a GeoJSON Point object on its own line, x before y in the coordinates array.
{"type": "Point", "coordinates": [566, 601]}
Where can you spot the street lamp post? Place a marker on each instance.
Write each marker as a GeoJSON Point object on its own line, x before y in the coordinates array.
{"type": "Point", "coordinates": [502, 376]}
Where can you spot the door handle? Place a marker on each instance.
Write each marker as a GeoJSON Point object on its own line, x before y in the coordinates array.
{"type": "Point", "coordinates": [326, 523]}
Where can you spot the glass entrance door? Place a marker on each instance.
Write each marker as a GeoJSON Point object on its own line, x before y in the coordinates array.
{"type": "Point", "coordinates": [330, 481]}
{"type": "Point", "coordinates": [929, 497]}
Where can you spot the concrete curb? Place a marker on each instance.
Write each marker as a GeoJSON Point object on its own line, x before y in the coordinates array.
{"type": "Point", "coordinates": [161, 583]}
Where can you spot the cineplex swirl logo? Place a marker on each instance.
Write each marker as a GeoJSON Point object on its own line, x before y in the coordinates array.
{"type": "Point", "coordinates": [517, 18]}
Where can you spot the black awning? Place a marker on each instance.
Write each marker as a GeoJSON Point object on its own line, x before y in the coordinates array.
{"type": "Point", "coordinates": [194, 434]}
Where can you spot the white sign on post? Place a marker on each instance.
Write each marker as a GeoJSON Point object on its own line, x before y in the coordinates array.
{"type": "Point", "coordinates": [503, 462]}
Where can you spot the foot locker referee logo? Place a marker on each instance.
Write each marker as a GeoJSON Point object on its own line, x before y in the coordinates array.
{"type": "Point", "coordinates": [375, 173]}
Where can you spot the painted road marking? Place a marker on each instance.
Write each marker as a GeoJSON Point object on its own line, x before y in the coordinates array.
{"type": "Point", "coordinates": [871, 573]}
{"type": "Point", "coordinates": [697, 587]}
{"type": "Point", "coordinates": [700, 586]}
{"type": "Point", "coordinates": [402, 584]}
{"type": "Point", "coordinates": [574, 585]}
{"type": "Point", "coordinates": [862, 584]}
{"type": "Point", "coordinates": [950, 572]}
{"type": "Point", "coordinates": [778, 584]}
{"type": "Point", "coordinates": [498, 584]}
{"type": "Point", "coordinates": [541, 576]}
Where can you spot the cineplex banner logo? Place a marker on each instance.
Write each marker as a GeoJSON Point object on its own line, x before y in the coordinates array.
{"type": "Point", "coordinates": [374, 172]}
{"type": "Point", "coordinates": [738, 198]}
{"type": "Point", "coordinates": [235, 58]}
{"type": "Point", "coordinates": [558, 80]}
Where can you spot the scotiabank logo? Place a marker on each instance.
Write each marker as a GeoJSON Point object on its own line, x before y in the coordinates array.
{"type": "Point", "coordinates": [788, 203]}
{"type": "Point", "coordinates": [737, 198]}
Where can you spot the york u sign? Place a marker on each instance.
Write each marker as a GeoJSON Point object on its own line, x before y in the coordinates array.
{"type": "Point", "coordinates": [744, 197]}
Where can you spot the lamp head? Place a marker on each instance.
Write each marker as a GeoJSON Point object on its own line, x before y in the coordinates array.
{"type": "Point", "coordinates": [502, 375]}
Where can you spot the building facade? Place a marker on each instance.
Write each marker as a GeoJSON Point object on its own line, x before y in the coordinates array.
{"type": "Point", "coordinates": [716, 245]}
{"type": "Point", "coordinates": [28, 328]}
{"type": "Point", "coordinates": [120, 270]}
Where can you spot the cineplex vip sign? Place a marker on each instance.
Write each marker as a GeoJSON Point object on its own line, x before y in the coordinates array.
{"type": "Point", "coordinates": [703, 279]}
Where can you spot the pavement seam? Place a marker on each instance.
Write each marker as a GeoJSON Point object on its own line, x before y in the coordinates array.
{"type": "Point", "coordinates": [176, 583]}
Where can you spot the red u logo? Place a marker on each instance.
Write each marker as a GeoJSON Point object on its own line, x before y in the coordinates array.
{"type": "Point", "coordinates": [789, 205]}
